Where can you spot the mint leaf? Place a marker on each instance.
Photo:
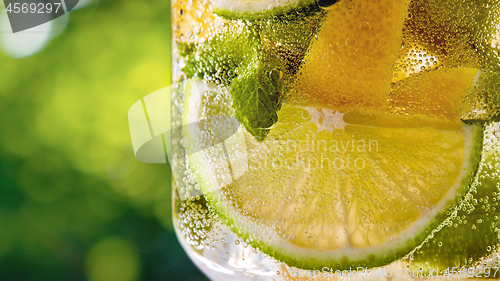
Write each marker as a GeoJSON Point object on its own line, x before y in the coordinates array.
{"type": "Point", "coordinates": [254, 60]}
{"type": "Point", "coordinates": [256, 95]}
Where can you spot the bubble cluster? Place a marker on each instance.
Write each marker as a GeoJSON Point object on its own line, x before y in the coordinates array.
{"type": "Point", "coordinates": [458, 33]}
{"type": "Point", "coordinates": [194, 220]}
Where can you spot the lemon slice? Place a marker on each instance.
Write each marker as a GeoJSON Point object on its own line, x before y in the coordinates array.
{"type": "Point", "coordinates": [350, 63]}
{"type": "Point", "coordinates": [252, 9]}
{"type": "Point", "coordinates": [320, 192]}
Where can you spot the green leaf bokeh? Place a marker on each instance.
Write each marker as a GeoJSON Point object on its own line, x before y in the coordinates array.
{"type": "Point", "coordinates": [75, 204]}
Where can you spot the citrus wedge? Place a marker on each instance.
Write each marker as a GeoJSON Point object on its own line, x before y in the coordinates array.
{"type": "Point", "coordinates": [320, 192]}
{"type": "Point", "coordinates": [350, 62]}
{"type": "Point", "coordinates": [438, 93]}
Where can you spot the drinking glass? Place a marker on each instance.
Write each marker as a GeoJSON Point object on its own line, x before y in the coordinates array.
{"type": "Point", "coordinates": [343, 84]}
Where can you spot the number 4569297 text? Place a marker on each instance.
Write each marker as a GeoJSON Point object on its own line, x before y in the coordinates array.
{"type": "Point", "coordinates": [33, 8]}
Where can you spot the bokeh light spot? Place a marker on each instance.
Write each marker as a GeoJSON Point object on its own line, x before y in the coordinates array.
{"type": "Point", "coordinates": [24, 43]}
{"type": "Point", "coordinates": [113, 259]}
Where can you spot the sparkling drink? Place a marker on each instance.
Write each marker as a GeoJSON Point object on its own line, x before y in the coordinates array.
{"type": "Point", "coordinates": [349, 139]}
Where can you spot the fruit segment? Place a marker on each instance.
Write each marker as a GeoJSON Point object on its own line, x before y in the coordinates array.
{"type": "Point", "coordinates": [437, 93]}
{"type": "Point", "coordinates": [350, 63]}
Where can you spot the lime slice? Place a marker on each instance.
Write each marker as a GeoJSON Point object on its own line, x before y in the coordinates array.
{"type": "Point", "coordinates": [318, 192]}
{"type": "Point", "coordinates": [253, 9]}
{"type": "Point", "coordinates": [470, 234]}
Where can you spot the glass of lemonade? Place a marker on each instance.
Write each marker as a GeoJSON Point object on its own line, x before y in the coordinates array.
{"type": "Point", "coordinates": [318, 140]}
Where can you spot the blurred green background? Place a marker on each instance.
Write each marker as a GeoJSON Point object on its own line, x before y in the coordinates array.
{"type": "Point", "coordinates": [75, 204]}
